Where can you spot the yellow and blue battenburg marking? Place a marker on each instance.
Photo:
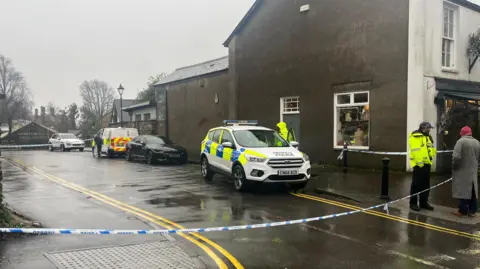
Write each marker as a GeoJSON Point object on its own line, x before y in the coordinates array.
{"type": "Point", "coordinates": [221, 152]}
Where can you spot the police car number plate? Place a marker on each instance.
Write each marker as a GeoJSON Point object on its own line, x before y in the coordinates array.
{"type": "Point", "coordinates": [287, 172]}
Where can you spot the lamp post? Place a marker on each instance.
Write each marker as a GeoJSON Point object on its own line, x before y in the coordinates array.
{"type": "Point", "coordinates": [2, 114]}
{"type": "Point", "coordinates": [120, 91]}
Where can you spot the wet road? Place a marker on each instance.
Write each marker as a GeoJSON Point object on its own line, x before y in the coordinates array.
{"type": "Point", "coordinates": [180, 195]}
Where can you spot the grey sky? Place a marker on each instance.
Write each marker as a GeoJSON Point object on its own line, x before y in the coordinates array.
{"type": "Point", "coordinates": [59, 43]}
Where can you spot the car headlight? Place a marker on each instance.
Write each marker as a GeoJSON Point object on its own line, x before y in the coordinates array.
{"type": "Point", "coordinates": [254, 159]}
{"type": "Point", "coordinates": [305, 157]}
{"type": "Point", "coordinates": [69, 144]}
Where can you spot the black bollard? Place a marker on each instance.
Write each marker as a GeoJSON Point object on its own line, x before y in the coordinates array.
{"type": "Point", "coordinates": [384, 194]}
{"type": "Point", "coordinates": [345, 164]}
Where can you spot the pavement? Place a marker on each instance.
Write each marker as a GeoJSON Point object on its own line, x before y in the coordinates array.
{"type": "Point", "coordinates": [74, 190]}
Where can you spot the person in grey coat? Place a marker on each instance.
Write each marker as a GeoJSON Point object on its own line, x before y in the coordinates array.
{"type": "Point", "coordinates": [464, 172]}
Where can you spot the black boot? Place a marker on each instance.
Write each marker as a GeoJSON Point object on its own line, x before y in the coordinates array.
{"type": "Point", "coordinates": [427, 206]}
{"type": "Point", "coordinates": [414, 207]}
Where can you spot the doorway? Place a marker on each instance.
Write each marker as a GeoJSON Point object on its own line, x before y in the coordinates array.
{"type": "Point", "coordinates": [290, 114]}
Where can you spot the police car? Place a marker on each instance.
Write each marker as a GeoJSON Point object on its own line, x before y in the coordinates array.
{"type": "Point", "coordinates": [250, 153]}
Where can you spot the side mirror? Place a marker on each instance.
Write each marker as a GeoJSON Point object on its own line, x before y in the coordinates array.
{"type": "Point", "coordinates": [294, 144]}
{"type": "Point", "coordinates": [143, 143]}
{"type": "Point", "coordinates": [227, 145]}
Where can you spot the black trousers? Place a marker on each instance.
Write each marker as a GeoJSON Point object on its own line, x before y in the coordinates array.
{"type": "Point", "coordinates": [420, 182]}
{"type": "Point", "coordinates": [99, 150]}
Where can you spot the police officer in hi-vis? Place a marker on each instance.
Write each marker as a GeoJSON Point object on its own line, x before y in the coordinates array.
{"type": "Point", "coordinates": [422, 153]}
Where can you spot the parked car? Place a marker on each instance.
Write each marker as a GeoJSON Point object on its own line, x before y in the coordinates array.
{"type": "Point", "coordinates": [153, 149]}
{"type": "Point", "coordinates": [65, 142]}
{"type": "Point", "coordinates": [250, 153]}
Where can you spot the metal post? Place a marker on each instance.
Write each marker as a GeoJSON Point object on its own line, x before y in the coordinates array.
{"type": "Point", "coordinates": [121, 111]}
{"type": "Point", "coordinates": [384, 194]}
{"type": "Point", "coordinates": [345, 163]}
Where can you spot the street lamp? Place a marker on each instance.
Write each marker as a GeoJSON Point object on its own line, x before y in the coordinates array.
{"type": "Point", "coordinates": [120, 91]}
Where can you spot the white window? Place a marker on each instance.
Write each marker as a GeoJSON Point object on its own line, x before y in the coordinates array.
{"type": "Point", "coordinates": [352, 120]}
{"type": "Point", "coordinates": [290, 105]}
{"type": "Point", "coordinates": [448, 40]}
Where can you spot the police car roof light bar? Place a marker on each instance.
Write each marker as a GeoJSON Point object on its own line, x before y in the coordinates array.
{"type": "Point", "coordinates": [240, 122]}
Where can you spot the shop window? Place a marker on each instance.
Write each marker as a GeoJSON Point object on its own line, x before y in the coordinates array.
{"type": "Point", "coordinates": [352, 119]}
{"type": "Point", "coordinates": [138, 117]}
{"type": "Point", "coordinates": [291, 105]}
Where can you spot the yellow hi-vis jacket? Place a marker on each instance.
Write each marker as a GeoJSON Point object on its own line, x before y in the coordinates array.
{"type": "Point", "coordinates": [285, 133]}
{"type": "Point", "coordinates": [422, 150]}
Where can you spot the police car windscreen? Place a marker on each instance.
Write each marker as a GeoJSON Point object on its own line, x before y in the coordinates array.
{"type": "Point", "coordinates": [124, 133]}
{"type": "Point", "coordinates": [259, 139]}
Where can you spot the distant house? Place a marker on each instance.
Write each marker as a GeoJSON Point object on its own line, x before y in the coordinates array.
{"type": "Point", "coordinates": [144, 111]}
{"type": "Point", "coordinates": [52, 120]}
{"type": "Point", "coordinates": [143, 117]}
{"type": "Point", "coordinates": [27, 133]}
{"type": "Point", "coordinates": [116, 117]}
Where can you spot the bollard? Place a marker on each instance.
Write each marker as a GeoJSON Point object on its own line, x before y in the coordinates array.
{"type": "Point", "coordinates": [384, 194]}
{"type": "Point", "coordinates": [345, 164]}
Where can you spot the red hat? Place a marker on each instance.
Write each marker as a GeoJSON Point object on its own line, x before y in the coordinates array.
{"type": "Point", "coordinates": [466, 131]}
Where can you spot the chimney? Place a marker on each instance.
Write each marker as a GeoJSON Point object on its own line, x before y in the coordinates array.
{"type": "Point", "coordinates": [36, 115]}
{"type": "Point", "coordinates": [42, 115]}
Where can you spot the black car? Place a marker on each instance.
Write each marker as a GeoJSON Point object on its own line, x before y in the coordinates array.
{"type": "Point", "coordinates": [153, 149]}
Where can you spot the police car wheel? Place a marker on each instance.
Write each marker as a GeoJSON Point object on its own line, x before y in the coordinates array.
{"type": "Point", "coordinates": [50, 147]}
{"type": "Point", "coordinates": [206, 172]}
{"type": "Point", "coordinates": [239, 180]}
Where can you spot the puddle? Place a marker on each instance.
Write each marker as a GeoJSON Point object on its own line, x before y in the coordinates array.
{"type": "Point", "coordinates": [160, 188]}
{"type": "Point", "coordinates": [133, 185]}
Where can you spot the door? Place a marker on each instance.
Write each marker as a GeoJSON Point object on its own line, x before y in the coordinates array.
{"type": "Point", "coordinates": [290, 114]}
{"type": "Point", "coordinates": [54, 141]}
{"type": "Point", "coordinates": [225, 159]}
{"type": "Point", "coordinates": [135, 146]}
{"type": "Point", "coordinates": [142, 150]}
{"type": "Point", "coordinates": [105, 134]}
{"type": "Point", "coordinates": [216, 149]}
{"type": "Point", "coordinates": [293, 122]}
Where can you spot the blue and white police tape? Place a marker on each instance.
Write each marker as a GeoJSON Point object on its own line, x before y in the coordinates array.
{"type": "Point", "coordinates": [48, 231]}
{"type": "Point", "coordinates": [340, 156]}
{"type": "Point", "coordinates": [23, 146]}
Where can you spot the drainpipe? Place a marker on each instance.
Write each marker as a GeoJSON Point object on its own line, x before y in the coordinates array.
{"type": "Point", "coordinates": [166, 113]}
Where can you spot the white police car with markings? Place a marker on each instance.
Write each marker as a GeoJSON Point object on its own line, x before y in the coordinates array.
{"type": "Point", "coordinates": [250, 153]}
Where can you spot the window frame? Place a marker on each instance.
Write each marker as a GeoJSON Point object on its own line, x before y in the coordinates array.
{"type": "Point", "coordinates": [145, 116]}
{"type": "Point", "coordinates": [231, 136]}
{"type": "Point", "coordinates": [138, 117]}
{"type": "Point", "coordinates": [282, 106]}
{"type": "Point", "coordinates": [452, 39]}
{"type": "Point", "coordinates": [219, 136]}
{"type": "Point", "coordinates": [351, 104]}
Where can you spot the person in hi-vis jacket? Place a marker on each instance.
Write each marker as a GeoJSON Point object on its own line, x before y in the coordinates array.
{"type": "Point", "coordinates": [422, 153]}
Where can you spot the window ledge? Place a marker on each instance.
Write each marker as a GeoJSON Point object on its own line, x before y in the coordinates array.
{"type": "Point", "coordinates": [450, 70]}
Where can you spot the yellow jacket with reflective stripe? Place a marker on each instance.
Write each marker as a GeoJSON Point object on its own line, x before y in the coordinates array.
{"type": "Point", "coordinates": [422, 150]}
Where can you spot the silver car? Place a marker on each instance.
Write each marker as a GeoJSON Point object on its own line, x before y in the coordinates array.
{"type": "Point", "coordinates": [65, 142]}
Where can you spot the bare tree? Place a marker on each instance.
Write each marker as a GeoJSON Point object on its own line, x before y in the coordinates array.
{"type": "Point", "coordinates": [97, 97]}
{"type": "Point", "coordinates": [73, 115]}
{"type": "Point", "coordinates": [18, 97]}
